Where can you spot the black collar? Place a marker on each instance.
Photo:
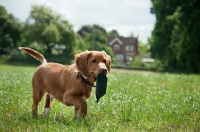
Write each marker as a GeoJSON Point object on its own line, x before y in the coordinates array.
{"type": "Point", "coordinates": [85, 80]}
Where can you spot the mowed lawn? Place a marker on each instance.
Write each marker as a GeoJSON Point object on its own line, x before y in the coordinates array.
{"type": "Point", "coordinates": [135, 101]}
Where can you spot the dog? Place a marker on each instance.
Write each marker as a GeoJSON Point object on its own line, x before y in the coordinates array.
{"type": "Point", "coordinates": [71, 84]}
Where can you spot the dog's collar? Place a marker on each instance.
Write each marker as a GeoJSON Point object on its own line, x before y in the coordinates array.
{"type": "Point", "coordinates": [84, 79]}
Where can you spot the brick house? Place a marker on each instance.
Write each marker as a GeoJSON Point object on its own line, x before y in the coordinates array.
{"type": "Point", "coordinates": [125, 49]}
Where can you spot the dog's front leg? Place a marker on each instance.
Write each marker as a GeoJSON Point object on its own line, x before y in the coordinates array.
{"type": "Point", "coordinates": [80, 106]}
{"type": "Point", "coordinates": [81, 111]}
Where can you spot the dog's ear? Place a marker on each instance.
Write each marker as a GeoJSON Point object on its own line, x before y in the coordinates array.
{"type": "Point", "coordinates": [81, 61]}
{"type": "Point", "coordinates": [108, 60]}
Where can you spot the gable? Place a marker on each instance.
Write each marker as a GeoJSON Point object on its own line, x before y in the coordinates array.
{"type": "Point", "coordinates": [116, 40]}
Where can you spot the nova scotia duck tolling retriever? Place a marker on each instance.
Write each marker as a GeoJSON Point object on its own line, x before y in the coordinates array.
{"type": "Point", "coordinates": [71, 84]}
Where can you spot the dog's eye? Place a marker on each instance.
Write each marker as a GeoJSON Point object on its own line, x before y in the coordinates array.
{"type": "Point", "coordinates": [104, 61]}
{"type": "Point", "coordinates": [94, 61]}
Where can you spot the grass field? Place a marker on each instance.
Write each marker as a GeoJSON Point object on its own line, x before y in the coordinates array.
{"type": "Point", "coordinates": [135, 101]}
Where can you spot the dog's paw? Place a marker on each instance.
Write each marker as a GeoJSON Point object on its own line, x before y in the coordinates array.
{"type": "Point", "coordinates": [46, 111]}
{"type": "Point", "coordinates": [82, 111]}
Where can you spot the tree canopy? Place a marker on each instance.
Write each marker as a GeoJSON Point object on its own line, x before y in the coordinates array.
{"type": "Point", "coordinates": [9, 31]}
{"type": "Point", "coordinates": [44, 29]}
{"type": "Point", "coordinates": [47, 27]}
{"type": "Point", "coordinates": [175, 38]}
{"type": "Point", "coordinates": [95, 38]}
{"type": "Point", "coordinates": [113, 33]}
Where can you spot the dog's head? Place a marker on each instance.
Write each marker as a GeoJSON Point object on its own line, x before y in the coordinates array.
{"type": "Point", "coordinates": [93, 62]}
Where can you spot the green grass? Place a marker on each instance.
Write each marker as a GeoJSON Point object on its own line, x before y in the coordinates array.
{"type": "Point", "coordinates": [134, 102]}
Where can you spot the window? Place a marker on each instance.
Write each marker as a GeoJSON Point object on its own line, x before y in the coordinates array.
{"type": "Point", "coordinates": [119, 57]}
{"type": "Point", "coordinates": [129, 47]}
{"type": "Point", "coordinates": [116, 47]}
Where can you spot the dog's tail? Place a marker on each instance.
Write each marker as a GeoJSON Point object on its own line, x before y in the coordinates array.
{"type": "Point", "coordinates": [34, 54]}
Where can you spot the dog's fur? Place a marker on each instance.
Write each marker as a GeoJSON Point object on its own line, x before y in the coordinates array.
{"type": "Point", "coordinates": [63, 83]}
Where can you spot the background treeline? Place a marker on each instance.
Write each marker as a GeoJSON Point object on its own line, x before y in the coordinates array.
{"type": "Point", "coordinates": [175, 40]}
{"type": "Point", "coordinates": [49, 32]}
{"type": "Point", "coordinates": [44, 30]}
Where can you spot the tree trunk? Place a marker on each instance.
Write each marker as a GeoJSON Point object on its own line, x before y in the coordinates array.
{"type": "Point", "coordinates": [48, 51]}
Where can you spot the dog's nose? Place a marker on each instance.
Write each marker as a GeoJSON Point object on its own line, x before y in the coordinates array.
{"type": "Point", "coordinates": [103, 70]}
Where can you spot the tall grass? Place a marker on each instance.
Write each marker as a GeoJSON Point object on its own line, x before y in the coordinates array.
{"type": "Point", "coordinates": [134, 102]}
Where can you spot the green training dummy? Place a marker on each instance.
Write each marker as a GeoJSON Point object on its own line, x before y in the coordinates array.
{"type": "Point", "coordinates": [101, 86]}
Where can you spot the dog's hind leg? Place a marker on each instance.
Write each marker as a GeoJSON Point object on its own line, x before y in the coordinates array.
{"type": "Point", "coordinates": [37, 96]}
{"type": "Point", "coordinates": [47, 106]}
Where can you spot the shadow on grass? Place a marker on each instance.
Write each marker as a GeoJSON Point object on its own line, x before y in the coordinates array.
{"type": "Point", "coordinates": [54, 119]}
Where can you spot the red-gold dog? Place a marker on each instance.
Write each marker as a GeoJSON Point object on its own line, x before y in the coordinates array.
{"type": "Point", "coordinates": [72, 84]}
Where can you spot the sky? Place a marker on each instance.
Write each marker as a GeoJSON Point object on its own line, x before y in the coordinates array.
{"type": "Point", "coordinates": [125, 16]}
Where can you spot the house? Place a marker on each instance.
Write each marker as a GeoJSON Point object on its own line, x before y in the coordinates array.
{"type": "Point", "coordinates": [60, 48]}
{"type": "Point", "coordinates": [125, 49]}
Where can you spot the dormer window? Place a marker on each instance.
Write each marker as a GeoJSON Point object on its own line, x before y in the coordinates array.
{"type": "Point", "coordinates": [116, 47]}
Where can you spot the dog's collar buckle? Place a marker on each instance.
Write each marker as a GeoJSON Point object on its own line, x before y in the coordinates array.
{"type": "Point", "coordinates": [85, 80]}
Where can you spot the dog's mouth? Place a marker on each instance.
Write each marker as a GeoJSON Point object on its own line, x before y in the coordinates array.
{"type": "Point", "coordinates": [94, 74]}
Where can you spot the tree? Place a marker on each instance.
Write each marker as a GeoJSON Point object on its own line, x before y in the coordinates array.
{"type": "Point", "coordinates": [67, 36]}
{"type": "Point", "coordinates": [9, 31]}
{"type": "Point", "coordinates": [142, 48]}
{"type": "Point", "coordinates": [47, 27]}
{"type": "Point", "coordinates": [113, 33]}
{"type": "Point", "coordinates": [50, 36]}
{"type": "Point", "coordinates": [159, 44]}
{"type": "Point", "coordinates": [185, 36]}
{"type": "Point", "coordinates": [175, 38]}
{"type": "Point", "coordinates": [95, 38]}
